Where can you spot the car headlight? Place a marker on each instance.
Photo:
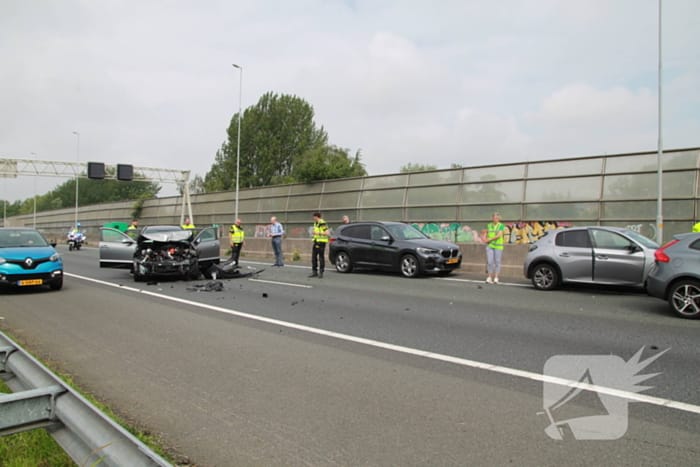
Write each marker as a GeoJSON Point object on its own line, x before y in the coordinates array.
{"type": "Point", "coordinates": [427, 251]}
{"type": "Point", "coordinates": [2, 260]}
{"type": "Point", "coordinates": [55, 257]}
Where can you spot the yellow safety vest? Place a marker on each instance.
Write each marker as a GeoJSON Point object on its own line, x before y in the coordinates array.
{"type": "Point", "coordinates": [320, 228]}
{"type": "Point", "coordinates": [188, 226]}
{"type": "Point", "coordinates": [237, 234]}
{"type": "Point", "coordinates": [492, 231]}
{"type": "Point", "coordinates": [696, 227]}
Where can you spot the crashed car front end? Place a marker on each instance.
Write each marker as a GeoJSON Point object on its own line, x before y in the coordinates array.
{"type": "Point", "coordinates": [165, 254]}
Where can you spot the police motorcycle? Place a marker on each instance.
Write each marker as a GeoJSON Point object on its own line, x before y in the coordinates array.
{"type": "Point", "coordinates": [76, 238]}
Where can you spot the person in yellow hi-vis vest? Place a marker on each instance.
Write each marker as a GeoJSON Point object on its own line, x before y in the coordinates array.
{"type": "Point", "coordinates": [318, 254]}
{"type": "Point", "coordinates": [495, 232]}
{"type": "Point", "coordinates": [696, 227]}
{"type": "Point", "coordinates": [188, 225]}
{"type": "Point", "coordinates": [237, 238]}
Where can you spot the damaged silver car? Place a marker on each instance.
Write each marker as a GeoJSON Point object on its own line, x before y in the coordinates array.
{"type": "Point", "coordinates": [160, 251]}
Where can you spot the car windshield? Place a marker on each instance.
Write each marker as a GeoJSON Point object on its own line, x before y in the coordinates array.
{"type": "Point", "coordinates": [162, 228]}
{"type": "Point", "coordinates": [639, 238]}
{"type": "Point", "coordinates": [21, 239]}
{"type": "Point", "coordinates": [405, 232]}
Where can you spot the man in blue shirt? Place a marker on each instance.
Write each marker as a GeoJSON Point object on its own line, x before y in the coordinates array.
{"type": "Point", "coordinates": [276, 232]}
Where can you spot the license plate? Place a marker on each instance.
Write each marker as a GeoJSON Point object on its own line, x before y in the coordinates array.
{"type": "Point", "coordinates": [452, 260]}
{"type": "Point", "coordinates": [31, 282]}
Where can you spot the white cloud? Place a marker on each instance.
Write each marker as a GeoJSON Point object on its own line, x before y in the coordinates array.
{"type": "Point", "coordinates": [455, 81]}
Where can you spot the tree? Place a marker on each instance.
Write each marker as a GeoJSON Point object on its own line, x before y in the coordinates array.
{"type": "Point", "coordinates": [411, 167]}
{"type": "Point", "coordinates": [280, 143]}
{"type": "Point", "coordinates": [327, 162]}
{"type": "Point", "coordinates": [89, 192]}
{"type": "Point", "coordinates": [275, 135]}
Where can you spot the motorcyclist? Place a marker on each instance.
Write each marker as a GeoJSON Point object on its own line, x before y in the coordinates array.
{"type": "Point", "coordinates": [75, 237]}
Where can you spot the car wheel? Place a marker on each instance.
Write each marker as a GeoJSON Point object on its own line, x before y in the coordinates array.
{"type": "Point", "coordinates": [57, 284]}
{"type": "Point", "coordinates": [138, 277]}
{"type": "Point", "coordinates": [545, 276]}
{"type": "Point", "coordinates": [205, 269]}
{"type": "Point", "coordinates": [194, 273]}
{"type": "Point", "coordinates": [684, 298]}
{"type": "Point", "coordinates": [343, 262]}
{"type": "Point", "coordinates": [410, 266]}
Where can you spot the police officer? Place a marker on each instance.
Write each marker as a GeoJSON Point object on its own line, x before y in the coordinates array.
{"type": "Point", "coordinates": [188, 225]}
{"type": "Point", "coordinates": [237, 237]}
{"type": "Point", "coordinates": [320, 238]}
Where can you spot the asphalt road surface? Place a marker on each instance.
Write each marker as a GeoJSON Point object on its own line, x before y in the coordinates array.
{"type": "Point", "coordinates": [362, 369]}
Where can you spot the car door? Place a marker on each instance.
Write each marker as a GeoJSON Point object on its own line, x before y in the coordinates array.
{"type": "Point", "coordinates": [356, 240]}
{"type": "Point", "coordinates": [616, 258]}
{"type": "Point", "coordinates": [383, 249]}
{"type": "Point", "coordinates": [574, 255]}
{"type": "Point", "coordinates": [116, 249]}
{"type": "Point", "coordinates": [208, 245]}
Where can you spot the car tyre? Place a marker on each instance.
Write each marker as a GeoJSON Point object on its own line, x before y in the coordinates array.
{"type": "Point", "coordinates": [193, 273]}
{"type": "Point", "coordinates": [56, 284]}
{"type": "Point", "coordinates": [206, 270]}
{"type": "Point", "coordinates": [138, 277]}
{"type": "Point", "coordinates": [343, 263]}
{"type": "Point", "coordinates": [409, 266]}
{"type": "Point", "coordinates": [684, 298]}
{"type": "Point", "coordinates": [545, 276]}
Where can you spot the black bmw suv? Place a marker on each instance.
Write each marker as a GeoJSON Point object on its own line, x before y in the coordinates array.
{"type": "Point", "coordinates": [392, 246]}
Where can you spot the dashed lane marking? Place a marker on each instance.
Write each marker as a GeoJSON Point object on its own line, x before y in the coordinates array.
{"type": "Point", "coordinates": [652, 400]}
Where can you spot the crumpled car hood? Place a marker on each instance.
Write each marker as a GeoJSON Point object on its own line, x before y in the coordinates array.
{"type": "Point", "coordinates": [166, 237]}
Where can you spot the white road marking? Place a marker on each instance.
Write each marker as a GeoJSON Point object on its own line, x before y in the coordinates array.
{"type": "Point", "coordinates": [287, 265]}
{"type": "Point", "coordinates": [475, 281]}
{"type": "Point", "coordinates": [290, 284]}
{"type": "Point", "coordinates": [653, 400]}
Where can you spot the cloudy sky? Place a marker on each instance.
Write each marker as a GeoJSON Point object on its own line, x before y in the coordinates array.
{"type": "Point", "coordinates": [471, 82]}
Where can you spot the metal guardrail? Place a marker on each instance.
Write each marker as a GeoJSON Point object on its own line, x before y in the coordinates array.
{"type": "Point", "coordinates": [41, 400]}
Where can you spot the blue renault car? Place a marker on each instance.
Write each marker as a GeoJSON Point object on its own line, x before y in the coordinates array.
{"type": "Point", "coordinates": [28, 259]}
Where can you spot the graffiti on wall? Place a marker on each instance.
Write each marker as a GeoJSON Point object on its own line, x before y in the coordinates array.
{"type": "Point", "coordinates": [516, 232]}
{"type": "Point", "coordinates": [648, 230]}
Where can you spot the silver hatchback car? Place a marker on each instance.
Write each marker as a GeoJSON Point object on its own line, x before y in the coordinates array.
{"type": "Point", "coordinates": [590, 255]}
{"type": "Point", "coordinates": [676, 275]}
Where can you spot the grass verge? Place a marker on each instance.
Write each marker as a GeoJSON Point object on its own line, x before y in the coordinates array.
{"type": "Point", "coordinates": [31, 448]}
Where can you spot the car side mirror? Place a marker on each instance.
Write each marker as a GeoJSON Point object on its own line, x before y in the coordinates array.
{"type": "Point", "coordinates": [386, 238]}
{"type": "Point", "coordinates": [634, 248]}
{"type": "Point", "coordinates": [127, 241]}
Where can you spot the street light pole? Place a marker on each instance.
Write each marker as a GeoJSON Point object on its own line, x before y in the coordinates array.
{"type": "Point", "coordinates": [77, 158]}
{"type": "Point", "coordinates": [238, 143]}
{"type": "Point", "coordinates": [659, 166]}
{"type": "Point", "coordinates": [35, 173]}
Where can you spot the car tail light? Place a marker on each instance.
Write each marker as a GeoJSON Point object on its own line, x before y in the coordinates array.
{"type": "Point", "coordinates": [660, 255]}
{"type": "Point", "coordinates": [331, 239]}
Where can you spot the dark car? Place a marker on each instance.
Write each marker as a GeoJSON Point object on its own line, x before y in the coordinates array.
{"type": "Point", "coordinates": [391, 246]}
{"type": "Point", "coordinates": [166, 250]}
{"type": "Point", "coordinates": [590, 255]}
{"type": "Point", "coordinates": [28, 259]}
{"type": "Point", "coordinates": [676, 275]}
